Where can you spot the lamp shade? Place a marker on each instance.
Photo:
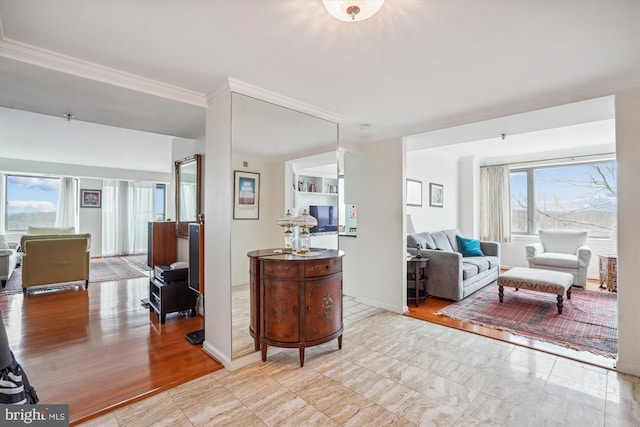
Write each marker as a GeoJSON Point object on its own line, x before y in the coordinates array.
{"type": "Point", "coordinates": [286, 220]}
{"type": "Point", "coordinates": [352, 10]}
{"type": "Point", "coordinates": [305, 220]}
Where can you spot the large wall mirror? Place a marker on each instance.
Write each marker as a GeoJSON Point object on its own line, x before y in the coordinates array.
{"type": "Point", "coordinates": [187, 193]}
{"type": "Point", "coordinates": [284, 147]}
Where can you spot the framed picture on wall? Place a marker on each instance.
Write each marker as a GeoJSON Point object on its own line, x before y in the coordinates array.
{"type": "Point", "coordinates": [414, 192]}
{"type": "Point", "coordinates": [436, 195]}
{"type": "Point", "coordinates": [246, 195]}
{"type": "Point", "coordinates": [90, 198]}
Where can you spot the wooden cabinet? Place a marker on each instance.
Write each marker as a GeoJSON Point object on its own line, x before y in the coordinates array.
{"type": "Point", "coordinates": [296, 301]}
{"type": "Point", "coordinates": [417, 279]}
{"type": "Point", "coordinates": [161, 248]}
{"type": "Point", "coordinates": [167, 298]}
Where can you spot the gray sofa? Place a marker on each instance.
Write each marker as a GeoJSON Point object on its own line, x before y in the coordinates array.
{"type": "Point", "coordinates": [452, 276]}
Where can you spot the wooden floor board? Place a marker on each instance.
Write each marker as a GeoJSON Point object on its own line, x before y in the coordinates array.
{"type": "Point", "coordinates": [98, 349]}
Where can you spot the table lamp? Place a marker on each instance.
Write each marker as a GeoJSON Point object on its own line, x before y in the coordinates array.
{"type": "Point", "coordinates": [286, 222]}
{"type": "Point", "coordinates": [304, 221]}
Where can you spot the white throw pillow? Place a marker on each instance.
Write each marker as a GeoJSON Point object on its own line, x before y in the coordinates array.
{"type": "Point", "coordinates": [3, 242]}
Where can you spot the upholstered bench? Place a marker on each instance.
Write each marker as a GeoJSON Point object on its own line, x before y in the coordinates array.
{"type": "Point", "coordinates": [551, 282]}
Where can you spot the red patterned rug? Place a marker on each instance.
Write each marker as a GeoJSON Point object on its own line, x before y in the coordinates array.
{"type": "Point", "coordinates": [589, 320]}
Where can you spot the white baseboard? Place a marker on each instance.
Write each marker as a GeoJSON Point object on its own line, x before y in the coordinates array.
{"type": "Point", "coordinates": [628, 368]}
{"type": "Point", "coordinates": [216, 354]}
{"type": "Point", "coordinates": [378, 304]}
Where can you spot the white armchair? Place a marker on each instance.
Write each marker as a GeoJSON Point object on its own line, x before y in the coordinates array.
{"type": "Point", "coordinates": [561, 250]}
{"type": "Point", "coordinates": [8, 259]}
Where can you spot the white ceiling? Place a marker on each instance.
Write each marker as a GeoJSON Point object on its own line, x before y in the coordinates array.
{"type": "Point", "coordinates": [416, 66]}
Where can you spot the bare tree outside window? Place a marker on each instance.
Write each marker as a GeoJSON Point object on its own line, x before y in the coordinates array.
{"type": "Point", "coordinates": [582, 196]}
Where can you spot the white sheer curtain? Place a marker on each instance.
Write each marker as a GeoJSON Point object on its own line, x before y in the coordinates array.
{"type": "Point", "coordinates": [495, 204]}
{"type": "Point", "coordinates": [141, 211]}
{"type": "Point", "coordinates": [127, 207]}
{"type": "Point", "coordinates": [114, 217]}
{"type": "Point", "coordinates": [67, 212]}
{"type": "Point", "coordinates": [187, 201]}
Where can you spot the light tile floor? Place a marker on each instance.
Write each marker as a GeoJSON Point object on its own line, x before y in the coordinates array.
{"type": "Point", "coordinates": [395, 370]}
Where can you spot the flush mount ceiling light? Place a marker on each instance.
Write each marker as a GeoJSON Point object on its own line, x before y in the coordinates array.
{"type": "Point", "coordinates": [352, 10]}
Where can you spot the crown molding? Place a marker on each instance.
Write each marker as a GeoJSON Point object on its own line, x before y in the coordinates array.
{"type": "Point", "coordinates": [66, 64]}
{"type": "Point", "coordinates": [234, 85]}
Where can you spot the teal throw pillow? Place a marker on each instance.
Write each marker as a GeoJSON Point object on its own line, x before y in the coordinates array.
{"type": "Point", "coordinates": [469, 247]}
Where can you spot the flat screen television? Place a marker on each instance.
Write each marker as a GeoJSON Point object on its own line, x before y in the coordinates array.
{"type": "Point", "coordinates": [327, 217]}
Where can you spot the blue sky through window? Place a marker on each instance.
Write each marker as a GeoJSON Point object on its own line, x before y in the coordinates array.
{"type": "Point", "coordinates": [30, 200]}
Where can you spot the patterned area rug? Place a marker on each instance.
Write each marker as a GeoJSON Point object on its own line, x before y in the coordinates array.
{"type": "Point", "coordinates": [589, 320]}
{"type": "Point", "coordinates": [100, 270]}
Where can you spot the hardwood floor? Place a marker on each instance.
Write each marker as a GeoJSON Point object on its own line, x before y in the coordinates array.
{"type": "Point", "coordinates": [100, 349]}
{"type": "Point", "coordinates": [427, 311]}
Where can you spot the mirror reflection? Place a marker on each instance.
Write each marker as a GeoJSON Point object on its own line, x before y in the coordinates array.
{"type": "Point", "coordinates": [285, 147]}
{"type": "Point", "coordinates": [187, 193]}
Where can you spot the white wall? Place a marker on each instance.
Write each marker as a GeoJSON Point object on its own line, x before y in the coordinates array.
{"type": "Point", "coordinates": [628, 158]}
{"type": "Point", "coordinates": [90, 220]}
{"type": "Point", "coordinates": [42, 138]}
{"type": "Point", "coordinates": [437, 166]}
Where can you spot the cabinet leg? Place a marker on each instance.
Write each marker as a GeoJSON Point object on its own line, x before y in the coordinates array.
{"type": "Point", "coordinates": [163, 317]}
{"type": "Point", "coordinates": [256, 344]}
{"type": "Point", "coordinates": [340, 342]}
{"type": "Point", "coordinates": [264, 352]}
{"type": "Point", "coordinates": [194, 313]}
{"type": "Point", "coordinates": [301, 357]}
{"type": "Point", "coordinates": [86, 284]}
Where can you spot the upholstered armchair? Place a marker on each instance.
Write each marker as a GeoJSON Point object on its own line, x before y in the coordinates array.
{"type": "Point", "coordinates": [8, 259]}
{"type": "Point", "coordinates": [561, 250]}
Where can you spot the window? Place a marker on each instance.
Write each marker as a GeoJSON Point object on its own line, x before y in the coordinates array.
{"type": "Point", "coordinates": [582, 196]}
{"type": "Point", "coordinates": [30, 200]}
{"type": "Point", "coordinates": [161, 191]}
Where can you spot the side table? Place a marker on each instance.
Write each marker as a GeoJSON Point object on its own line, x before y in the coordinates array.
{"type": "Point", "coordinates": [609, 272]}
{"type": "Point", "coordinates": [417, 279]}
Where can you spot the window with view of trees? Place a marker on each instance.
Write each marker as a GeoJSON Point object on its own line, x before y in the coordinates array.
{"type": "Point", "coordinates": [30, 200]}
{"type": "Point", "coordinates": [577, 196]}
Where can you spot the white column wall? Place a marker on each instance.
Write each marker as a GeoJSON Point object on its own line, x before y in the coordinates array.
{"type": "Point", "coordinates": [628, 157]}
{"type": "Point", "coordinates": [469, 196]}
{"type": "Point", "coordinates": [381, 216]}
{"type": "Point", "coordinates": [217, 244]}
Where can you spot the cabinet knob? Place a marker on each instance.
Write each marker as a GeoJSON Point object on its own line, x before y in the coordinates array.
{"type": "Point", "coordinates": [295, 309]}
{"type": "Point", "coordinates": [328, 266]}
{"type": "Point", "coordinates": [308, 308]}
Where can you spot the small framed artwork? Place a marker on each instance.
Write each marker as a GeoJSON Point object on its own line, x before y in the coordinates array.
{"type": "Point", "coordinates": [436, 195]}
{"type": "Point", "coordinates": [414, 192]}
{"type": "Point", "coordinates": [246, 195]}
{"type": "Point", "coordinates": [90, 198]}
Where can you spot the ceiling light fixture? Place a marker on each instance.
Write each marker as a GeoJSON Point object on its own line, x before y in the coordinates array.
{"type": "Point", "coordinates": [68, 116]}
{"type": "Point", "coordinates": [352, 10]}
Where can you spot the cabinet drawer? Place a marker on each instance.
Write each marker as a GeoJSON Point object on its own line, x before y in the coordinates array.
{"type": "Point", "coordinates": [322, 267]}
{"type": "Point", "coordinates": [279, 269]}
